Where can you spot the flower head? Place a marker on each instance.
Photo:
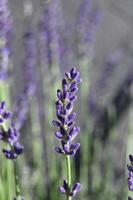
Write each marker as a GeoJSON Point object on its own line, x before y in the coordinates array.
{"type": "Point", "coordinates": [67, 131]}
{"type": "Point", "coordinates": [5, 33]}
{"type": "Point", "coordinates": [9, 134]}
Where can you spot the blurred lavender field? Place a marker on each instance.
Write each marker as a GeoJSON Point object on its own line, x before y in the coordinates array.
{"type": "Point", "coordinates": [39, 41]}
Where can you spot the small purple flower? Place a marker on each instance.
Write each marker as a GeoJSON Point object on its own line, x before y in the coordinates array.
{"type": "Point", "coordinates": [9, 135]}
{"type": "Point", "coordinates": [75, 189]}
{"type": "Point", "coordinates": [65, 189]}
{"type": "Point", "coordinates": [4, 115]}
{"type": "Point", "coordinates": [67, 131]}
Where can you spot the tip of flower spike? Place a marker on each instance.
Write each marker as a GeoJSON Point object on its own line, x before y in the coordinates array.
{"type": "Point", "coordinates": [3, 105]}
{"type": "Point", "coordinates": [129, 198]}
{"type": "Point", "coordinates": [131, 158]}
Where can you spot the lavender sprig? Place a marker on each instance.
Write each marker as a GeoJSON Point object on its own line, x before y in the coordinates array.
{"type": "Point", "coordinates": [88, 20]}
{"type": "Point", "coordinates": [67, 131]}
{"type": "Point", "coordinates": [9, 134]}
{"type": "Point", "coordinates": [21, 107]}
{"type": "Point", "coordinates": [130, 174]}
{"type": "Point", "coordinates": [5, 33]}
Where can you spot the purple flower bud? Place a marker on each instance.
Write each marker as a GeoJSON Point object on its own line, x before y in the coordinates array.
{"type": "Point", "coordinates": [68, 75]}
{"type": "Point", "coordinates": [74, 90]}
{"type": "Point", "coordinates": [130, 168]}
{"type": "Point", "coordinates": [73, 84]}
{"type": "Point", "coordinates": [68, 108]}
{"type": "Point", "coordinates": [1, 120]}
{"type": "Point", "coordinates": [130, 175]}
{"type": "Point", "coordinates": [73, 133]}
{"type": "Point", "coordinates": [56, 123]}
{"type": "Point", "coordinates": [7, 115]}
{"type": "Point", "coordinates": [65, 95]}
{"type": "Point", "coordinates": [64, 189]}
{"type": "Point", "coordinates": [73, 98]}
{"type": "Point", "coordinates": [59, 150]}
{"type": "Point", "coordinates": [129, 198]}
{"type": "Point", "coordinates": [2, 105]}
{"type": "Point", "coordinates": [73, 71]}
{"type": "Point", "coordinates": [9, 154]}
{"type": "Point", "coordinates": [131, 158]}
{"type": "Point", "coordinates": [75, 189]}
{"type": "Point", "coordinates": [18, 148]}
{"type": "Point", "coordinates": [13, 136]}
{"type": "Point", "coordinates": [71, 149]}
{"type": "Point", "coordinates": [59, 95]}
{"type": "Point", "coordinates": [72, 117]}
{"type": "Point", "coordinates": [130, 183]}
{"type": "Point", "coordinates": [64, 85]}
{"type": "Point", "coordinates": [59, 135]}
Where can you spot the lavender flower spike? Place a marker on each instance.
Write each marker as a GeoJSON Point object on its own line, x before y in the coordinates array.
{"type": "Point", "coordinates": [67, 131]}
{"type": "Point", "coordinates": [130, 175]}
{"type": "Point", "coordinates": [5, 36]}
{"type": "Point", "coordinates": [9, 134]}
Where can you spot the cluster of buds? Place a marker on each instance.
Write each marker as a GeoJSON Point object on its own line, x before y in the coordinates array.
{"type": "Point", "coordinates": [67, 131]}
{"type": "Point", "coordinates": [65, 189]}
{"type": "Point", "coordinates": [9, 134]}
{"type": "Point", "coordinates": [130, 175]}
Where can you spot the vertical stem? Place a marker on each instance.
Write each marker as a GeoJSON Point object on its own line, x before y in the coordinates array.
{"type": "Point", "coordinates": [69, 177]}
{"type": "Point", "coordinates": [17, 187]}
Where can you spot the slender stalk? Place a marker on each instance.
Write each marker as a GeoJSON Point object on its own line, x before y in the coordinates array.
{"type": "Point", "coordinates": [69, 176]}
{"type": "Point", "coordinates": [17, 186]}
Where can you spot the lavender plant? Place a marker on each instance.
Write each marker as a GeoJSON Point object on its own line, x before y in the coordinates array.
{"type": "Point", "coordinates": [5, 33]}
{"type": "Point", "coordinates": [87, 24]}
{"type": "Point", "coordinates": [10, 136]}
{"type": "Point", "coordinates": [29, 65]}
{"type": "Point", "coordinates": [67, 131]}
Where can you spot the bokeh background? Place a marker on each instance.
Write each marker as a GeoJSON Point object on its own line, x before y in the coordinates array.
{"type": "Point", "coordinates": [46, 38]}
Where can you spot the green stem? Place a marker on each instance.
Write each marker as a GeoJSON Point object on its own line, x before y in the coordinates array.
{"type": "Point", "coordinates": [69, 177]}
{"type": "Point", "coordinates": [16, 178]}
